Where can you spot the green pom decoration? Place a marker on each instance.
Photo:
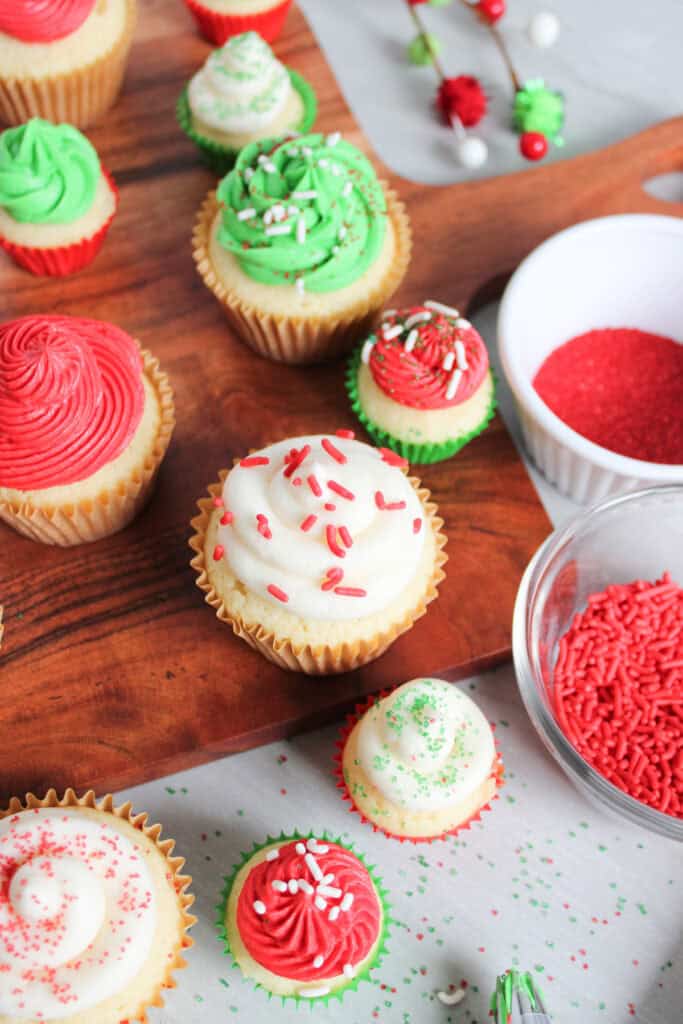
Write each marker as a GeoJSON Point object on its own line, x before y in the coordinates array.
{"type": "Point", "coordinates": [507, 986]}
{"type": "Point", "coordinates": [537, 109]}
{"type": "Point", "coordinates": [422, 47]}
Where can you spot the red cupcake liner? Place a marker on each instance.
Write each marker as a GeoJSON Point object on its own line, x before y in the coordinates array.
{"type": "Point", "coordinates": [62, 260]}
{"type": "Point", "coordinates": [218, 28]}
{"type": "Point", "coordinates": [497, 772]}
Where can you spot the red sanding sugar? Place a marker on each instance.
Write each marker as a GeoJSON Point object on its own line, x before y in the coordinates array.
{"type": "Point", "coordinates": [618, 689]}
{"type": "Point", "coordinates": [621, 388]}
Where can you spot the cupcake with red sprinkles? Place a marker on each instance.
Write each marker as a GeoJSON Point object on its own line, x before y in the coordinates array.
{"type": "Point", "coordinates": [94, 911]}
{"type": "Point", "coordinates": [422, 384]}
{"type": "Point", "coordinates": [319, 551]}
{"type": "Point", "coordinates": [304, 917]}
{"type": "Point", "coordinates": [218, 20]}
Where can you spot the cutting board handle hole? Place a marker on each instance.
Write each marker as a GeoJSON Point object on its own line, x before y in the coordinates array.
{"type": "Point", "coordinates": [666, 187]}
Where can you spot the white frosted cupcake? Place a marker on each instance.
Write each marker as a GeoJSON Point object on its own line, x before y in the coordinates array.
{"type": "Point", "coordinates": [421, 762]}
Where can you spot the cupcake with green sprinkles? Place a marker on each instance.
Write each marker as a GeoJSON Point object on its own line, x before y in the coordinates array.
{"type": "Point", "coordinates": [241, 94]}
{"type": "Point", "coordinates": [421, 384]}
{"type": "Point", "coordinates": [304, 917]}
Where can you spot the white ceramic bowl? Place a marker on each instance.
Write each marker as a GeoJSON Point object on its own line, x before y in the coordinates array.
{"type": "Point", "coordinates": [623, 271]}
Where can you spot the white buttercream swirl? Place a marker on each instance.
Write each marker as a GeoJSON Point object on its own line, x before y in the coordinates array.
{"type": "Point", "coordinates": [427, 746]}
{"type": "Point", "coordinates": [77, 913]}
{"type": "Point", "coordinates": [241, 88]}
{"type": "Point", "coordinates": [386, 542]}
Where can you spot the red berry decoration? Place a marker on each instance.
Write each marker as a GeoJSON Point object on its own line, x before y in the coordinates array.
{"type": "Point", "coordinates": [533, 145]}
{"type": "Point", "coordinates": [491, 10]}
{"type": "Point", "coordinates": [463, 98]}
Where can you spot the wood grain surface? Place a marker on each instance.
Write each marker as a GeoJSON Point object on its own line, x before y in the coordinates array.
{"type": "Point", "coordinates": [113, 670]}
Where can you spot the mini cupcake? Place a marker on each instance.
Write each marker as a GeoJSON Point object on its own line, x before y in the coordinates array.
{"type": "Point", "coordinates": [303, 918]}
{"type": "Point", "coordinates": [421, 762]}
{"type": "Point", "coordinates": [63, 59]}
{"type": "Point", "coordinates": [422, 383]}
{"type": "Point", "coordinates": [94, 911]}
{"type": "Point", "coordinates": [302, 246]}
{"type": "Point", "coordinates": [86, 417]}
{"type": "Point", "coordinates": [56, 200]}
{"type": "Point", "coordinates": [241, 94]}
{"type": "Point", "coordinates": [297, 550]}
{"type": "Point", "coordinates": [218, 20]}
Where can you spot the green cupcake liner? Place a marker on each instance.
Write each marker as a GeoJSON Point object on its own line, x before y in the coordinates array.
{"type": "Point", "coordinates": [220, 158]}
{"type": "Point", "coordinates": [421, 454]}
{"type": "Point", "coordinates": [352, 983]}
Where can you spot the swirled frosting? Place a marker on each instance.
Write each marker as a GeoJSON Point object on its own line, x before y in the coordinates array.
{"type": "Point", "coordinates": [48, 172]}
{"type": "Point", "coordinates": [71, 398]}
{"type": "Point", "coordinates": [308, 212]}
{"type": "Point", "coordinates": [322, 926]}
{"type": "Point", "coordinates": [427, 746]}
{"type": "Point", "coordinates": [77, 913]}
{"type": "Point", "coordinates": [42, 21]}
{"type": "Point", "coordinates": [427, 357]}
{"type": "Point", "coordinates": [241, 88]}
{"type": "Point", "coordinates": [326, 526]}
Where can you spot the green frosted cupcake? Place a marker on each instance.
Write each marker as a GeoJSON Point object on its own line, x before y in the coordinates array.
{"type": "Point", "coordinates": [304, 918]}
{"type": "Point", "coordinates": [240, 95]}
{"type": "Point", "coordinates": [422, 384]}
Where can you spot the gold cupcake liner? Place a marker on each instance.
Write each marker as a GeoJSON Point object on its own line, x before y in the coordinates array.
{"type": "Point", "coordinates": [165, 846]}
{"type": "Point", "coordinates": [114, 508]}
{"type": "Point", "coordinates": [291, 339]}
{"type": "Point", "coordinates": [79, 96]}
{"type": "Point", "coordinates": [319, 659]}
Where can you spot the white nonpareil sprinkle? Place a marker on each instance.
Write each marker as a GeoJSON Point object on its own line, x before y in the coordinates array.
{"type": "Point", "coordinates": [268, 217]}
{"type": "Point", "coordinates": [448, 361]}
{"type": "Point", "coordinates": [279, 212]}
{"type": "Point", "coordinates": [451, 998]}
{"type": "Point", "coordinates": [312, 843]}
{"type": "Point", "coordinates": [323, 162]}
{"type": "Point", "coordinates": [462, 323]}
{"type": "Point", "coordinates": [329, 891]}
{"type": "Point", "coordinates": [300, 285]}
{"type": "Point", "coordinates": [301, 231]}
{"type": "Point", "coordinates": [300, 848]}
{"type": "Point", "coordinates": [293, 151]}
{"type": "Point", "coordinates": [417, 318]}
{"type": "Point", "coordinates": [262, 159]}
{"type": "Point", "coordinates": [341, 235]}
{"type": "Point", "coordinates": [348, 188]}
{"type": "Point", "coordinates": [307, 193]}
{"type": "Point", "coordinates": [318, 960]}
{"type": "Point", "coordinates": [307, 151]}
{"type": "Point", "coordinates": [313, 867]}
{"type": "Point", "coordinates": [453, 384]}
{"type": "Point", "coordinates": [272, 854]}
{"type": "Point", "coordinates": [246, 214]}
{"type": "Point", "coordinates": [293, 886]}
{"type": "Point", "coordinates": [333, 138]}
{"type": "Point", "coordinates": [313, 993]}
{"type": "Point", "coordinates": [270, 167]}
{"type": "Point", "coordinates": [335, 250]}
{"type": "Point", "coordinates": [278, 885]}
{"type": "Point", "coordinates": [279, 229]}
{"type": "Point", "coordinates": [347, 902]}
{"type": "Point", "coordinates": [366, 351]}
{"type": "Point", "coordinates": [333, 914]}
{"type": "Point", "coordinates": [411, 341]}
{"type": "Point", "coordinates": [248, 173]}
{"type": "Point", "coordinates": [461, 355]}
{"type": "Point", "coordinates": [439, 307]}
{"type": "Point", "coordinates": [393, 332]}
{"type": "Point", "coordinates": [320, 902]}
{"type": "Point", "coordinates": [259, 907]}
{"type": "Point", "coordinates": [305, 886]}
{"type": "Point", "coordinates": [348, 970]}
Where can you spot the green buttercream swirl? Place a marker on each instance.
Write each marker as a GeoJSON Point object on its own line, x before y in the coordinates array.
{"type": "Point", "coordinates": [48, 173]}
{"type": "Point", "coordinates": [325, 202]}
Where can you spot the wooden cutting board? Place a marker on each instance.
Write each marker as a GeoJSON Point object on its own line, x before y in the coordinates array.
{"type": "Point", "coordinates": [113, 670]}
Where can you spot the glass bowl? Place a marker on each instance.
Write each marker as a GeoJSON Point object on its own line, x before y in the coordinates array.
{"type": "Point", "coordinates": [635, 536]}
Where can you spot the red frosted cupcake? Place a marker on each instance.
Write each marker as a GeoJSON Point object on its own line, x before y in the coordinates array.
{"type": "Point", "coordinates": [218, 20]}
{"type": "Point", "coordinates": [56, 200]}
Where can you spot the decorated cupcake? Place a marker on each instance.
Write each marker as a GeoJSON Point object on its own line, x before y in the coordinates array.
{"type": "Point", "coordinates": [56, 200]}
{"type": "Point", "coordinates": [85, 420]}
{"type": "Point", "coordinates": [241, 94]}
{"type": "Point", "coordinates": [94, 912]}
{"type": "Point", "coordinates": [421, 384]}
{"type": "Point", "coordinates": [421, 762]}
{"type": "Point", "coordinates": [303, 918]}
{"type": "Point", "coordinates": [302, 246]}
{"type": "Point", "coordinates": [218, 20]}
{"type": "Point", "coordinates": [62, 59]}
{"type": "Point", "coordinates": [318, 551]}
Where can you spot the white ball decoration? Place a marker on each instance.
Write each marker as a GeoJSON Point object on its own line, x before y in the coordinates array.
{"type": "Point", "coordinates": [472, 152]}
{"type": "Point", "coordinates": [544, 29]}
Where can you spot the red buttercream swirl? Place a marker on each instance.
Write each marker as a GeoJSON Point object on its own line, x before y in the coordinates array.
{"type": "Point", "coordinates": [71, 399]}
{"type": "Point", "coordinates": [293, 931]}
{"type": "Point", "coordinates": [418, 378]}
{"type": "Point", "coordinates": [42, 21]}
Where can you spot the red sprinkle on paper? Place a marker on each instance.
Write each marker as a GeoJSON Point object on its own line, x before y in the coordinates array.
{"type": "Point", "coordinates": [332, 578]}
{"type": "Point", "coordinates": [332, 542]}
{"type": "Point", "coordinates": [342, 491]}
{"type": "Point", "coordinates": [226, 518]}
{"type": "Point", "coordinates": [349, 435]}
{"type": "Point", "coordinates": [329, 507]}
{"type": "Point", "coordinates": [312, 482]}
{"type": "Point", "coordinates": [308, 522]}
{"type": "Point", "coordinates": [417, 525]}
{"type": "Point", "coordinates": [392, 458]}
{"type": "Point", "coordinates": [333, 451]}
{"type": "Point", "coordinates": [350, 592]}
{"type": "Point", "coordinates": [345, 536]}
{"type": "Point", "coordinates": [277, 593]}
{"type": "Point", "coordinates": [254, 460]}
{"type": "Point", "coordinates": [218, 502]}
{"type": "Point", "coordinates": [622, 389]}
{"type": "Point", "coordinates": [218, 552]}
{"type": "Point", "coordinates": [297, 481]}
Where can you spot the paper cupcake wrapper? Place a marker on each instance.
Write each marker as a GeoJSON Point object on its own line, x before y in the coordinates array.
{"type": "Point", "coordinates": [303, 339]}
{"type": "Point", "coordinates": [218, 28]}
{"type": "Point", "coordinates": [422, 454]}
{"type": "Point", "coordinates": [220, 158]}
{"type": "Point", "coordinates": [165, 846]}
{"type": "Point", "coordinates": [497, 772]}
{"type": "Point", "coordinates": [319, 659]}
{"type": "Point", "coordinates": [86, 521]}
{"type": "Point", "coordinates": [353, 983]}
{"type": "Point", "coordinates": [62, 260]}
{"type": "Point", "coordinates": [79, 96]}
